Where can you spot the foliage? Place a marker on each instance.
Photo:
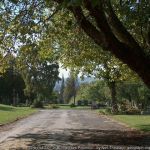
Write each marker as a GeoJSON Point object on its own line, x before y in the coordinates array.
{"type": "Point", "coordinates": [11, 87]}
{"type": "Point", "coordinates": [95, 91]}
{"type": "Point", "coordinates": [79, 102]}
{"type": "Point", "coordinates": [61, 95]}
{"type": "Point", "coordinates": [53, 98]}
{"type": "Point", "coordinates": [83, 102]}
{"type": "Point", "coordinates": [127, 108]}
{"type": "Point", "coordinates": [136, 93]}
{"type": "Point", "coordinates": [51, 28]}
{"type": "Point", "coordinates": [108, 110]}
{"type": "Point", "coordinates": [37, 104]}
{"type": "Point", "coordinates": [53, 106]}
{"type": "Point", "coordinates": [124, 106]}
{"type": "Point", "coordinates": [40, 37]}
{"type": "Point", "coordinates": [132, 111]}
{"type": "Point", "coordinates": [129, 95]}
{"type": "Point", "coordinates": [40, 75]}
{"type": "Point", "coordinates": [115, 27]}
{"type": "Point", "coordinates": [72, 105]}
{"type": "Point", "coordinates": [70, 88]}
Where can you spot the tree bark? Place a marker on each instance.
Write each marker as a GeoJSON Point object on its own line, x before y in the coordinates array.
{"type": "Point", "coordinates": [112, 86]}
{"type": "Point", "coordinates": [74, 100]}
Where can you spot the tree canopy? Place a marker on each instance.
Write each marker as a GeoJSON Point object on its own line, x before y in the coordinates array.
{"type": "Point", "coordinates": [112, 25]}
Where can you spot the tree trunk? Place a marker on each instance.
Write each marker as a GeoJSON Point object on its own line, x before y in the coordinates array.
{"type": "Point", "coordinates": [112, 86]}
{"type": "Point", "coordinates": [74, 99]}
{"type": "Point", "coordinates": [14, 98]}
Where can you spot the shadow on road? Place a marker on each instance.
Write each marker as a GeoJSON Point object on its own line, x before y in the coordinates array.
{"type": "Point", "coordinates": [87, 136]}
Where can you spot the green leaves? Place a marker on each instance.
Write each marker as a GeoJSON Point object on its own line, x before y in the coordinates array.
{"type": "Point", "coordinates": [68, 3]}
{"type": "Point", "coordinates": [14, 1]}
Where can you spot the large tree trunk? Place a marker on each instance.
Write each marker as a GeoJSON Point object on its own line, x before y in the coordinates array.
{"type": "Point", "coordinates": [112, 86]}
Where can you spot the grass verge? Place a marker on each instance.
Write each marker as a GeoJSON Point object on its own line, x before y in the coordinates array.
{"type": "Point", "coordinates": [140, 122]}
{"type": "Point", "coordinates": [9, 113]}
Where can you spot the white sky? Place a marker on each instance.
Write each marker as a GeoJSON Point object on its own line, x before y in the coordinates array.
{"type": "Point", "coordinates": [64, 72]}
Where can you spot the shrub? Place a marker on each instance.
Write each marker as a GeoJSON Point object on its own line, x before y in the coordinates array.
{"type": "Point", "coordinates": [22, 105]}
{"type": "Point", "coordinates": [79, 102]}
{"type": "Point", "coordinates": [85, 102]}
{"type": "Point", "coordinates": [108, 110]}
{"type": "Point", "coordinates": [72, 105]}
{"type": "Point", "coordinates": [132, 111]}
{"type": "Point", "coordinates": [53, 106]}
{"type": "Point", "coordinates": [102, 112]}
{"type": "Point", "coordinates": [124, 106]}
{"type": "Point", "coordinates": [37, 104]}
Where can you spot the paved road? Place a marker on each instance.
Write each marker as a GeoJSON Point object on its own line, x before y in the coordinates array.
{"type": "Point", "coordinates": [69, 129]}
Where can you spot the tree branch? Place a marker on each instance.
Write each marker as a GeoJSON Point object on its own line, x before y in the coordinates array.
{"type": "Point", "coordinates": [117, 27]}
{"type": "Point", "coordinates": [88, 27]}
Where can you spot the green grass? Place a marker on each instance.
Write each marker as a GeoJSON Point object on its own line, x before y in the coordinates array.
{"type": "Point", "coordinates": [10, 113]}
{"type": "Point", "coordinates": [102, 111]}
{"type": "Point", "coordinates": [141, 122]}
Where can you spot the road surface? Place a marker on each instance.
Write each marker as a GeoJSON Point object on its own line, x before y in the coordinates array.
{"type": "Point", "coordinates": [69, 130]}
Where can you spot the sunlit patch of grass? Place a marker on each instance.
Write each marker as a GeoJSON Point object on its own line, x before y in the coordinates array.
{"type": "Point", "coordinates": [10, 113]}
{"type": "Point", "coordinates": [141, 122]}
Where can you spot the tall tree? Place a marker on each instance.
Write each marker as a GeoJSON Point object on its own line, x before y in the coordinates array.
{"type": "Point", "coordinates": [11, 87]}
{"type": "Point", "coordinates": [40, 72]}
{"type": "Point", "coordinates": [71, 88]}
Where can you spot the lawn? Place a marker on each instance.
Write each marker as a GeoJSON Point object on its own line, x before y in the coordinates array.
{"type": "Point", "coordinates": [10, 113]}
{"type": "Point", "coordinates": [141, 122]}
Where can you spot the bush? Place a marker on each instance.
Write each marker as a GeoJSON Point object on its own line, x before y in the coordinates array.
{"type": "Point", "coordinates": [108, 110]}
{"type": "Point", "coordinates": [37, 104]}
{"type": "Point", "coordinates": [79, 102]}
{"type": "Point", "coordinates": [102, 112]}
{"type": "Point", "coordinates": [53, 106]}
{"type": "Point", "coordinates": [21, 105]}
{"type": "Point", "coordinates": [132, 111]}
{"type": "Point", "coordinates": [72, 105]}
{"type": "Point", "coordinates": [85, 102]}
{"type": "Point", "coordinates": [124, 106]}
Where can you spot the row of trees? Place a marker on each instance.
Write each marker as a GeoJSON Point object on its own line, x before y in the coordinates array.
{"type": "Point", "coordinates": [137, 94]}
{"type": "Point", "coordinates": [27, 82]}
{"type": "Point", "coordinates": [84, 35]}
